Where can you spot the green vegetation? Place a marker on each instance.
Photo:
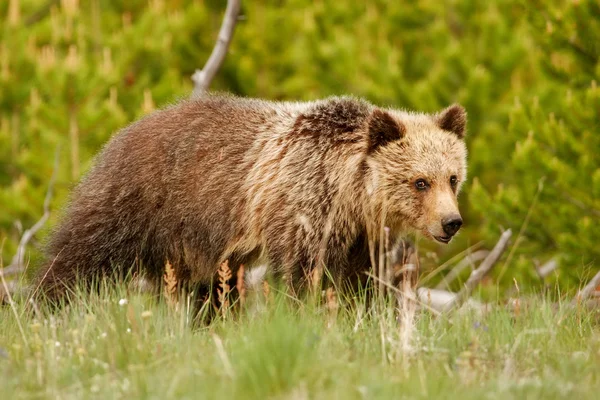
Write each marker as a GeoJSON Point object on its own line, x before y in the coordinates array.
{"type": "Point", "coordinates": [72, 73]}
{"type": "Point", "coordinates": [106, 347]}
{"type": "Point", "coordinates": [554, 166]}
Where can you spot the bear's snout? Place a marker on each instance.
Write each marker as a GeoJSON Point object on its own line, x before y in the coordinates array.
{"type": "Point", "coordinates": [451, 224]}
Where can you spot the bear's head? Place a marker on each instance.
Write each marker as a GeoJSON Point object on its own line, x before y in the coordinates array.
{"type": "Point", "coordinates": [416, 167]}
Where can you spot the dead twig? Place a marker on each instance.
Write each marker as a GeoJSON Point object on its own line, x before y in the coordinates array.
{"type": "Point", "coordinates": [12, 270]}
{"type": "Point", "coordinates": [469, 260]}
{"type": "Point", "coordinates": [451, 261]}
{"type": "Point", "coordinates": [381, 263]}
{"type": "Point", "coordinates": [484, 268]}
{"type": "Point", "coordinates": [546, 269]}
{"type": "Point", "coordinates": [408, 309]}
{"type": "Point", "coordinates": [203, 77]}
{"type": "Point", "coordinates": [412, 296]}
{"type": "Point", "coordinates": [587, 290]}
{"type": "Point", "coordinates": [17, 263]}
{"type": "Point", "coordinates": [439, 299]}
{"type": "Point", "coordinates": [6, 290]}
{"type": "Point", "coordinates": [436, 299]}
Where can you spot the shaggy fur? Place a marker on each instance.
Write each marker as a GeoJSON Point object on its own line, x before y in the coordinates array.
{"type": "Point", "coordinates": [226, 178]}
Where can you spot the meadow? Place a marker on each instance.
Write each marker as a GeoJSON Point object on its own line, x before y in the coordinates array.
{"type": "Point", "coordinates": [74, 72]}
{"type": "Point", "coordinates": [123, 343]}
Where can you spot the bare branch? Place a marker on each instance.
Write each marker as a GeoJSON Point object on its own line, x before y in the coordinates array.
{"type": "Point", "coordinates": [587, 290]}
{"type": "Point", "coordinates": [547, 268]}
{"type": "Point", "coordinates": [7, 289]}
{"type": "Point", "coordinates": [399, 293]}
{"type": "Point", "coordinates": [203, 77]}
{"type": "Point", "coordinates": [439, 300]}
{"type": "Point", "coordinates": [484, 268]}
{"type": "Point", "coordinates": [12, 270]}
{"type": "Point", "coordinates": [17, 263]}
{"type": "Point", "coordinates": [469, 260]}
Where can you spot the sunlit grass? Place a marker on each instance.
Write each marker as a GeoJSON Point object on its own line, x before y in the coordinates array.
{"type": "Point", "coordinates": [121, 344]}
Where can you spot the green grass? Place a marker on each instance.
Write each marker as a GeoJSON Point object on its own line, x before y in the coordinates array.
{"type": "Point", "coordinates": [288, 350]}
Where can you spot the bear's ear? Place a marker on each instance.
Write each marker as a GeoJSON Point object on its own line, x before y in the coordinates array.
{"type": "Point", "coordinates": [453, 119]}
{"type": "Point", "coordinates": [383, 129]}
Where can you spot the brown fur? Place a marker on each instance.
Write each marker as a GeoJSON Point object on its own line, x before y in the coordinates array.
{"type": "Point", "coordinates": [292, 184]}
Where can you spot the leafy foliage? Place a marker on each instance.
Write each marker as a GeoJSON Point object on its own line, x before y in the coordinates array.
{"type": "Point", "coordinates": [72, 73]}
{"type": "Point", "coordinates": [555, 157]}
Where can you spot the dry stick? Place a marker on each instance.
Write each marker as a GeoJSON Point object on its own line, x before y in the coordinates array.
{"type": "Point", "coordinates": [319, 270]}
{"type": "Point", "coordinates": [407, 311]}
{"type": "Point", "coordinates": [203, 77]}
{"type": "Point", "coordinates": [453, 259]}
{"type": "Point", "coordinates": [17, 261]}
{"type": "Point", "coordinates": [381, 265]}
{"type": "Point", "coordinates": [11, 270]}
{"type": "Point", "coordinates": [587, 290]}
{"type": "Point", "coordinates": [484, 268]}
{"type": "Point", "coordinates": [546, 269]}
{"type": "Point", "coordinates": [411, 296]}
{"type": "Point", "coordinates": [389, 270]}
{"type": "Point", "coordinates": [389, 273]}
{"type": "Point", "coordinates": [370, 233]}
{"type": "Point", "coordinates": [464, 263]}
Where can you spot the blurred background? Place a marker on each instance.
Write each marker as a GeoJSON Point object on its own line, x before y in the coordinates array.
{"type": "Point", "coordinates": [74, 72]}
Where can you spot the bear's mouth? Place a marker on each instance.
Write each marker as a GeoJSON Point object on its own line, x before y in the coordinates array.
{"type": "Point", "coordinates": [443, 239]}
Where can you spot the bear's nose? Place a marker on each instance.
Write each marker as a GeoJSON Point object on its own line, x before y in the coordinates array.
{"type": "Point", "coordinates": [452, 224]}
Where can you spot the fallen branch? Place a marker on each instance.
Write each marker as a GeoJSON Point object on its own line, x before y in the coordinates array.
{"type": "Point", "coordinates": [399, 293]}
{"type": "Point", "coordinates": [203, 77]}
{"type": "Point", "coordinates": [460, 267]}
{"type": "Point", "coordinates": [547, 268]}
{"type": "Point", "coordinates": [12, 270]}
{"type": "Point", "coordinates": [17, 263]}
{"type": "Point", "coordinates": [438, 299]}
{"type": "Point", "coordinates": [587, 290]}
{"type": "Point", "coordinates": [484, 268]}
{"type": "Point", "coordinates": [452, 260]}
{"type": "Point", "coordinates": [7, 289]}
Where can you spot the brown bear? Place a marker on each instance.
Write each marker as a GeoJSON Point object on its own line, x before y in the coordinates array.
{"type": "Point", "coordinates": [296, 185]}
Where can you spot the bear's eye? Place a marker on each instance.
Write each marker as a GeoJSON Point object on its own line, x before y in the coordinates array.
{"type": "Point", "coordinates": [453, 181]}
{"type": "Point", "coordinates": [421, 184]}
